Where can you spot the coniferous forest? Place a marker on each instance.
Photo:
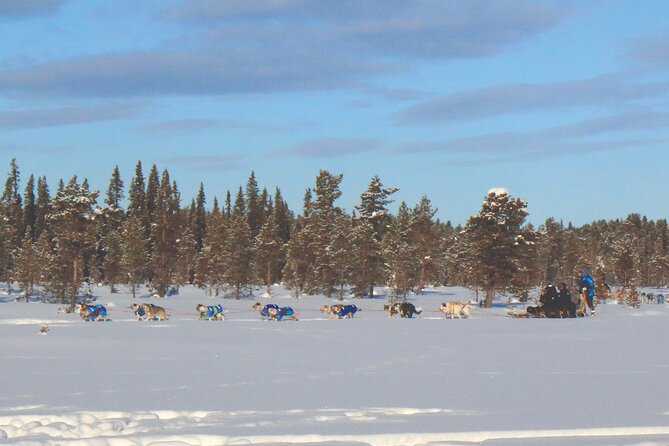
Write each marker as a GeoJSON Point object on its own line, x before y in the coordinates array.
{"type": "Point", "coordinates": [57, 241]}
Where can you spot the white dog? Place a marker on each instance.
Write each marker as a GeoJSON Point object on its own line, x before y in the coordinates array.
{"type": "Point", "coordinates": [453, 309]}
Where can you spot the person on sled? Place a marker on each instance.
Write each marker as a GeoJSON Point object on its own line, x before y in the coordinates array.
{"type": "Point", "coordinates": [564, 300]}
{"type": "Point", "coordinates": [586, 285]}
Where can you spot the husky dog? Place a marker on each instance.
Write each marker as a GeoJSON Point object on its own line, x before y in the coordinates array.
{"type": "Point", "coordinates": [89, 312]}
{"type": "Point", "coordinates": [149, 312]}
{"type": "Point", "coordinates": [210, 313]}
{"type": "Point", "coordinates": [264, 311]}
{"type": "Point", "coordinates": [453, 309]}
{"type": "Point", "coordinates": [283, 312]}
{"type": "Point", "coordinates": [347, 311]}
{"type": "Point", "coordinates": [331, 310]}
{"type": "Point", "coordinates": [404, 309]}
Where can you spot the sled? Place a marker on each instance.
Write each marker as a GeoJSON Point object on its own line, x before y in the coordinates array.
{"type": "Point", "coordinates": [520, 314]}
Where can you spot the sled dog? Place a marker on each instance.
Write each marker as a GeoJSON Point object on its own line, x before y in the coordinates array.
{"type": "Point", "coordinates": [453, 309]}
{"type": "Point", "coordinates": [279, 313]}
{"type": "Point", "coordinates": [331, 310]}
{"type": "Point", "coordinates": [264, 311]}
{"type": "Point", "coordinates": [211, 312]}
{"type": "Point", "coordinates": [89, 312]}
{"type": "Point", "coordinates": [404, 309]}
{"type": "Point", "coordinates": [149, 312]}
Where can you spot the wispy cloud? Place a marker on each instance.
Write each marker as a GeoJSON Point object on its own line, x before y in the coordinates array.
{"type": "Point", "coordinates": [651, 52]}
{"type": "Point", "coordinates": [22, 9]}
{"type": "Point", "coordinates": [72, 115]}
{"type": "Point", "coordinates": [414, 28]}
{"type": "Point", "coordinates": [599, 92]}
{"type": "Point", "coordinates": [332, 147]}
{"type": "Point", "coordinates": [249, 47]}
{"type": "Point", "coordinates": [622, 131]}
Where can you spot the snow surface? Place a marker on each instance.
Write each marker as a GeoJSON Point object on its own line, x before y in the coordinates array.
{"type": "Point", "coordinates": [489, 379]}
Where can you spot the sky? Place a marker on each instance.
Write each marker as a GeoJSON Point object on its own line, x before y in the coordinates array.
{"type": "Point", "coordinates": [562, 103]}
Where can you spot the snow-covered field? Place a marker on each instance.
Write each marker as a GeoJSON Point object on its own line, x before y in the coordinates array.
{"type": "Point", "coordinates": [490, 379]}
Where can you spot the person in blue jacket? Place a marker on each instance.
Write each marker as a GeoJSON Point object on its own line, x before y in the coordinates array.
{"type": "Point", "coordinates": [586, 285]}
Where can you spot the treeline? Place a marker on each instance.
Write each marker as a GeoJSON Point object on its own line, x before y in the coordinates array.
{"type": "Point", "coordinates": [58, 241]}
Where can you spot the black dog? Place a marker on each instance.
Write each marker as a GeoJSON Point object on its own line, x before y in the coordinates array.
{"type": "Point", "coordinates": [404, 309]}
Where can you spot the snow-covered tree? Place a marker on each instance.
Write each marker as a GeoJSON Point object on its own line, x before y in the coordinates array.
{"type": "Point", "coordinates": [373, 221]}
{"type": "Point", "coordinates": [493, 236]}
{"type": "Point", "coordinates": [71, 219]}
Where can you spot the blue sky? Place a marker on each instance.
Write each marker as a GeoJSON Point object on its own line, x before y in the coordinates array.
{"type": "Point", "coordinates": [563, 103]}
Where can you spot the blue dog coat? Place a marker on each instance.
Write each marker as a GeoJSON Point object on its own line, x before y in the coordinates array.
{"type": "Point", "coordinates": [284, 311]}
{"type": "Point", "coordinates": [95, 311]}
{"type": "Point", "coordinates": [346, 310]}
{"type": "Point", "coordinates": [265, 311]}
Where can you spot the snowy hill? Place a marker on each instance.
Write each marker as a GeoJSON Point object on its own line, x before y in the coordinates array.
{"type": "Point", "coordinates": [489, 379]}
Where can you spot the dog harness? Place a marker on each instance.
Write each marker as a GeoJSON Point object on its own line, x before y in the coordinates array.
{"type": "Point", "coordinates": [95, 311]}
{"type": "Point", "coordinates": [346, 310]}
{"type": "Point", "coordinates": [212, 311]}
{"type": "Point", "coordinates": [265, 311]}
{"type": "Point", "coordinates": [284, 311]}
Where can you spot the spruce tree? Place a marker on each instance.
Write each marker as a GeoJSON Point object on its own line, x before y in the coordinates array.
{"type": "Point", "coordinates": [137, 195]}
{"type": "Point", "coordinates": [253, 206]}
{"type": "Point", "coordinates": [27, 271]}
{"type": "Point", "coordinates": [238, 253]}
{"type": "Point", "coordinates": [373, 222]}
{"type": "Point", "coordinates": [269, 253]}
{"type": "Point", "coordinates": [164, 232]}
{"type": "Point", "coordinates": [43, 206]}
{"type": "Point", "coordinates": [199, 222]}
{"type": "Point", "coordinates": [424, 238]}
{"type": "Point", "coordinates": [299, 259]}
{"type": "Point", "coordinates": [30, 208]}
{"type": "Point", "coordinates": [134, 257]}
{"type": "Point", "coordinates": [399, 254]}
{"type": "Point", "coordinates": [115, 191]}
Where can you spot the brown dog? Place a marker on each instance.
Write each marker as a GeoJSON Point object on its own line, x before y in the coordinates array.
{"type": "Point", "coordinates": [150, 312]}
{"type": "Point", "coordinates": [331, 310]}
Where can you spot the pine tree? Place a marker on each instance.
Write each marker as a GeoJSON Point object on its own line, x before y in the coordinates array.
{"type": "Point", "coordinates": [199, 222]}
{"type": "Point", "coordinates": [115, 191]}
{"type": "Point", "coordinates": [211, 260]}
{"type": "Point", "coordinates": [239, 208]}
{"type": "Point", "coordinates": [321, 222]}
{"type": "Point", "coordinates": [253, 206]}
{"type": "Point", "coordinates": [72, 222]}
{"type": "Point", "coordinates": [399, 252]}
{"type": "Point", "coordinates": [238, 253]}
{"type": "Point", "coordinates": [137, 196]}
{"type": "Point", "coordinates": [43, 206]}
{"type": "Point", "coordinates": [368, 235]}
{"type": "Point", "coordinates": [30, 208]}
{"type": "Point", "coordinates": [423, 236]}
{"type": "Point", "coordinates": [493, 236]}
{"type": "Point", "coordinates": [283, 217]}
{"type": "Point", "coordinates": [134, 257]}
{"type": "Point", "coordinates": [152, 191]}
{"type": "Point", "coordinates": [184, 270]}
{"type": "Point", "coordinates": [164, 231]}
{"type": "Point", "coordinates": [27, 266]}
{"type": "Point", "coordinates": [296, 272]}
{"type": "Point", "coordinates": [269, 253]}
